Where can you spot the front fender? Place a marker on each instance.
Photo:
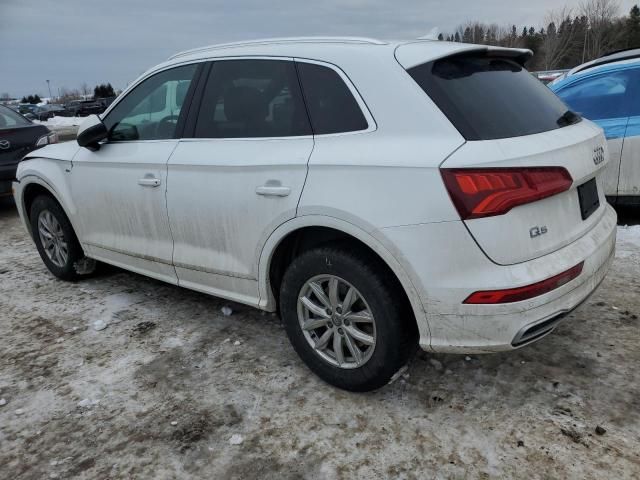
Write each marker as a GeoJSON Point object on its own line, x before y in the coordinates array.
{"type": "Point", "coordinates": [49, 174]}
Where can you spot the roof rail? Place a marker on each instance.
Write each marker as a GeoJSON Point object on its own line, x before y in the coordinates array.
{"type": "Point", "coordinates": [361, 40]}
{"type": "Point", "coordinates": [616, 56]}
{"type": "Point", "coordinates": [622, 50]}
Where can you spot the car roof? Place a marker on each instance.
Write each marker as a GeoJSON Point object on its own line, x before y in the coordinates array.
{"type": "Point", "coordinates": [330, 48]}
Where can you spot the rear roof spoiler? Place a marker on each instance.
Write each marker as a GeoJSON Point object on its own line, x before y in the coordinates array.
{"type": "Point", "coordinates": [416, 53]}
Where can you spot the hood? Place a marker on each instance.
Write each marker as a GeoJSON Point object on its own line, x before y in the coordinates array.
{"type": "Point", "coordinates": [57, 151]}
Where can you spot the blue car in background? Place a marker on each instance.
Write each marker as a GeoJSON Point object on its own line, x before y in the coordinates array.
{"type": "Point", "coordinates": [607, 92]}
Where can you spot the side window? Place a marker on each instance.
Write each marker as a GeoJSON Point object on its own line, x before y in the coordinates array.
{"type": "Point", "coordinates": [252, 98]}
{"type": "Point", "coordinates": [603, 96]}
{"type": "Point", "coordinates": [151, 110]}
{"type": "Point", "coordinates": [331, 105]}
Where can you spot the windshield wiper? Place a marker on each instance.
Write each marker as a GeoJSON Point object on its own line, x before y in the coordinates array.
{"type": "Point", "coordinates": [568, 118]}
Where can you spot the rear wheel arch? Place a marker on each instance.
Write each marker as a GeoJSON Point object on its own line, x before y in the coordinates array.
{"type": "Point", "coordinates": [304, 234]}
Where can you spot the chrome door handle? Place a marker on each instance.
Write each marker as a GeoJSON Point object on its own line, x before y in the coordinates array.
{"type": "Point", "coordinates": [273, 191]}
{"type": "Point", "coordinates": [149, 182]}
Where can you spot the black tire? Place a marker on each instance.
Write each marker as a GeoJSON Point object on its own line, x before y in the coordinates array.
{"type": "Point", "coordinates": [69, 270]}
{"type": "Point", "coordinates": [396, 338]}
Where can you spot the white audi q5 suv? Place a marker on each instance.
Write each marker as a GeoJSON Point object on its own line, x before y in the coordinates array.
{"type": "Point", "coordinates": [379, 195]}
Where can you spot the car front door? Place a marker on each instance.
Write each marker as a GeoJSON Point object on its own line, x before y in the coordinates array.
{"type": "Point", "coordinates": [240, 176]}
{"type": "Point", "coordinates": [119, 189]}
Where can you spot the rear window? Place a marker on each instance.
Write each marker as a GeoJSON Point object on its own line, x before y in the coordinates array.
{"type": "Point", "coordinates": [9, 118]}
{"type": "Point", "coordinates": [489, 98]}
{"type": "Point", "coordinates": [331, 105]}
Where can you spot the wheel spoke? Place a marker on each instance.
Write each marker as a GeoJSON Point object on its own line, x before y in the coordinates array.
{"type": "Point", "coordinates": [359, 317]}
{"type": "Point", "coordinates": [314, 323]}
{"type": "Point", "coordinates": [333, 292]}
{"type": "Point", "coordinates": [313, 308]}
{"type": "Point", "coordinates": [323, 341]}
{"type": "Point", "coordinates": [337, 349]}
{"type": "Point", "coordinates": [63, 255]}
{"type": "Point", "coordinates": [359, 335]}
{"type": "Point", "coordinates": [349, 298]}
{"type": "Point", "coordinates": [353, 348]}
{"type": "Point", "coordinates": [319, 291]}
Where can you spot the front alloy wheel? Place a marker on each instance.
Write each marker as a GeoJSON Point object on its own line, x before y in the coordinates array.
{"type": "Point", "coordinates": [52, 239]}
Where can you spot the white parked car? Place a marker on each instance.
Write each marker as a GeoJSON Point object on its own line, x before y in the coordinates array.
{"type": "Point", "coordinates": [380, 196]}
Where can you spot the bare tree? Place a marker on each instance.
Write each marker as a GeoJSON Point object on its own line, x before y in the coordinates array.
{"type": "Point", "coordinates": [84, 88]}
{"type": "Point", "coordinates": [560, 37]}
{"type": "Point", "coordinates": [601, 34]}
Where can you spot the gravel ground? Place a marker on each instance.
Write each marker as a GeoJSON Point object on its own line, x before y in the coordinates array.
{"type": "Point", "coordinates": [172, 388]}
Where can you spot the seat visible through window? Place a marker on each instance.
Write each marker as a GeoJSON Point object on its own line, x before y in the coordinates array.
{"type": "Point", "coordinates": [252, 98]}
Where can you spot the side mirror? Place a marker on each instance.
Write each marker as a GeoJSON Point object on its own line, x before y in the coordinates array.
{"type": "Point", "coordinates": [91, 131]}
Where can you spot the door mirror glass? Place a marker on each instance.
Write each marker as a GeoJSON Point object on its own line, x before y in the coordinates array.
{"type": "Point", "coordinates": [91, 132]}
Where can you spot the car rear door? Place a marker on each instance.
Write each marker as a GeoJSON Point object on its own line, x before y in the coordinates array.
{"type": "Point", "coordinates": [629, 183]}
{"type": "Point", "coordinates": [609, 98]}
{"type": "Point", "coordinates": [240, 176]}
{"type": "Point", "coordinates": [120, 188]}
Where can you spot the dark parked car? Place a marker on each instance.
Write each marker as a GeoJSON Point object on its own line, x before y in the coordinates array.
{"type": "Point", "coordinates": [45, 112]}
{"type": "Point", "coordinates": [18, 136]}
{"type": "Point", "coordinates": [83, 108]}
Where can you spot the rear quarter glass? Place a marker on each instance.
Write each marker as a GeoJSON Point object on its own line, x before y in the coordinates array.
{"type": "Point", "coordinates": [489, 98]}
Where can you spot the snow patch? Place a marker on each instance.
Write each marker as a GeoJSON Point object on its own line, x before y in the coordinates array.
{"type": "Point", "coordinates": [61, 121]}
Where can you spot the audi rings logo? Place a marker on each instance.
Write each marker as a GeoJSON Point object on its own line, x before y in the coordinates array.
{"type": "Point", "coordinates": [4, 144]}
{"type": "Point", "coordinates": [598, 155]}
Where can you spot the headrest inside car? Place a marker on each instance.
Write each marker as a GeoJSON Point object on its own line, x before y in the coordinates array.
{"type": "Point", "coordinates": [245, 104]}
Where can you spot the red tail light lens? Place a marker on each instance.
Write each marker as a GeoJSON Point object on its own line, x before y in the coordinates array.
{"type": "Point", "coordinates": [486, 192]}
{"type": "Point", "coordinates": [524, 293]}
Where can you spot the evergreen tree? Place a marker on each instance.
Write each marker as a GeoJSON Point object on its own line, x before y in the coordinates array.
{"type": "Point", "coordinates": [632, 28]}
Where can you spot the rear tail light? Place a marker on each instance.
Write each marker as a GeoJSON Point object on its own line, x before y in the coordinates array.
{"type": "Point", "coordinates": [485, 192]}
{"type": "Point", "coordinates": [518, 294]}
{"type": "Point", "coordinates": [47, 139]}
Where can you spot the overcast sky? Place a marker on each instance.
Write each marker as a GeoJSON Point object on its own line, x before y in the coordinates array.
{"type": "Point", "coordinates": [74, 41]}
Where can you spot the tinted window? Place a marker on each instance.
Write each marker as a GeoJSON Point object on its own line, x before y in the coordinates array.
{"type": "Point", "coordinates": [603, 96]}
{"type": "Point", "coordinates": [487, 98]}
{"type": "Point", "coordinates": [331, 105]}
{"type": "Point", "coordinates": [151, 110]}
{"type": "Point", "coordinates": [252, 98]}
{"type": "Point", "coordinates": [9, 118]}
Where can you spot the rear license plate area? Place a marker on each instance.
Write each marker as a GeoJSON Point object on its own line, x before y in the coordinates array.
{"type": "Point", "coordinates": [588, 196]}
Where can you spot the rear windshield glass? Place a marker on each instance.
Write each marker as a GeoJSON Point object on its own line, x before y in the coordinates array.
{"type": "Point", "coordinates": [488, 98]}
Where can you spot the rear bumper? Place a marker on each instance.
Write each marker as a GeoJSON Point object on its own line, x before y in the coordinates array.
{"type": "Point", "coordinates": [454, 267]}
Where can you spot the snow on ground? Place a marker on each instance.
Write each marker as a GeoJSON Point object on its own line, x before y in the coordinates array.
{"type": "Point", "coordinates": [628, 241]}
{"type": "Point", "coordinates": [173, 388]}
{"type": "Point", "coordinates": [61, 121]}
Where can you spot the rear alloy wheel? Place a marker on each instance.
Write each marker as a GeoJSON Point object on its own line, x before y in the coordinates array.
{"type": "Point", "coordinates": [346, 318]}
{"type": "Point", "coordinates": [56, 241]}
{"type": "Point", "coordinates": [337, 321]}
